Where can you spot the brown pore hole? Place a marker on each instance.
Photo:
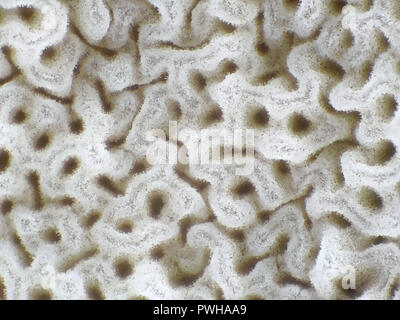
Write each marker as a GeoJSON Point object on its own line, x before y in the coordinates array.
{"type": "Point", "coordinates": [76, 126]}
{"type": "Point", "coordinates": [198, 81]}
{"type": "Point", "coordinates": [384, 151]}
{"type": "Point", "coordinates": [94, 292]}
{"type": "Point", "coordinates": [42, 142]}
{"type": "Point", "coordinates": [289, 81]}
{"type": "Point", "coordinates": [3, 290]}
{"type": "Point", "coordinates": [19, 116]}
{"type": "Point", "coordinates": [188, 20]}
{"type": "Point", "coordinates": [228, 67]}
{"type": "Point", "coordinates": [2, 15]}
{"type": "Point", "coordinates": [370, 199]}
{"type": "Point", "coordinates": [290, 5]}
{"type": "Point", "coordinates": [363, 280]}
{"type": "Point", "coordinates": [387, 106]}
{"type": "Point", "coordinates": [5, 159]}
{"type": "Point", "coordinates": [123, 268]}
{"type": "Point", "coordinates": [34, 181]}
{"type": "Point", "coordinates": [77, 69]}
{"type": "Point", "coordinates": [174, 110]}
{"type": "Point", "coordinates": [338, 220]}
{"type": "Point", "coordinates": [105, 52]}
{"type": "Point", "coordinates": [198, 184]}
{"type": "Point", "coordinates": [381, 41]}
{"type": "Point", "coordinates": [157, 253]}
{"type": "Point", "coordinates": [259, 118]}
{"type": "Point", "coordinates": [344, 294]}
{"type": "Point", "coordinates": [156, 203]}
{"type": "Point", "coordinates": [281, 171]}
{"type": "Point", "coordinates": [70, 166]}
{"type": "Point", "coordinates": [285, 278]}
{"type": "Point", "coordinates": [379, 240]}
{"type": "Point", "coordinates": [110, 186]}
{"type": "Point", "coordinates": [365, 72]}
{"type": "Point", "coordinates": [253, 297]}
{"type": "Point", "coordinates": [8, 51]}
{"type": "Point", "coordinates": [125, 226]}
{"type": "Point", "coordinates": [264, 215]}
{"type": "Point", "coordinates": [219, 293]}
{"type": "Point", "coordinates": [115, 142]}
{"type": "Point", "coordinates": [6, 206]}
{"type": "Point", "coordinates": [347, 40]}
{"type": "Point", "coordinates": [72, 260]}
{"type": "Point", "coordinates": [139, 167]}
{"type": "Point", "coordinates": [106, 105]}
{"type": "Point", "coordinates": [25, 256]}
{"type": "Point", "coordinates": [184, 225]}
{"type": "Point", "coordinates": [49, 53]}
{"type": "Point", "coordinates": [397, 188]}
{"type": "Point", "coordinates": [225, 27]}
{"type": "Point", "coordinates": [243, 188]}
{"type": "Point", "coordinates": [302, 206]}
{"type": "Point", "coordinates": [134, 33]}
{"type": "Point", "coordinates": [366, 5]}
{"type": "Point", "coordinates": [91, 219]}
{"type": "Point", "coordinates": [298, 124]}
{"type": "Point", "coordinates": [262, 48]}
{"type": "Point", "coordinates": [52, 235]}
{"type": "Point", "coordinates": [335, 6]}
{"type": "Point", "coordinates": [179, 277]}
{"type": "Point", "coordinates": [245, 266]}
{"type": "Point", "coordinates": [138, 297]}
{"type": "Point", "coordinates": [237, 235]}
{"type": "Point", "coordinates": [396, 11]}
{"type": "Point", "coordinates": [41, 294]}
{"type": "Point", "coordinates": [393, 287]}
{"type": "Point", "coordinates": [46, 93]}
{"type": "Point", "coordinates": [213, 116]}
{"type": "Point", "coordinates": [163, 78]}
{"type": "Point", "coordinates": [28, 14]}
{"type": "Point", "coordinates": [280, 245]}
{"type": "Point", "coordinates": [263, 79]}
{"type": "Point", "coordinates": [67, 201]}
{"type": "Point", "coordinates": [330, 68]}
{"type": "Point", "coordinates": [281, 167]}
{"type": "Point", "coordinates": [313, 252]}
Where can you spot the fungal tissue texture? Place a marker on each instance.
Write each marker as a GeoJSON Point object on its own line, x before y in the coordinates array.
{"type": "Point", "coordinates": [85, 215]}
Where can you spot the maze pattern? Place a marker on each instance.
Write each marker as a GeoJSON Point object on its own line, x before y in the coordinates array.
{"type": "Point", "coordinates": [83, 215]}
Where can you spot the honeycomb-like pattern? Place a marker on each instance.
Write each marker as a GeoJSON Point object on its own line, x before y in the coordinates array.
{"type": "Point", "coordinates": [84, 215]}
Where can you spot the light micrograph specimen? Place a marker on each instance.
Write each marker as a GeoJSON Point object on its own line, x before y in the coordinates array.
{"type": "Point", "coordinates": [84, 214]}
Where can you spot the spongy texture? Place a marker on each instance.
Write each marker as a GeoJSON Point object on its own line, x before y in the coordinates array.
{"type": "Point", "coordinates": [84, 215]}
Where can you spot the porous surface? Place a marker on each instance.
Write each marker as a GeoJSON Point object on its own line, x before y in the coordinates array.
{"type": "Point", "coordinates": [85, 216]}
